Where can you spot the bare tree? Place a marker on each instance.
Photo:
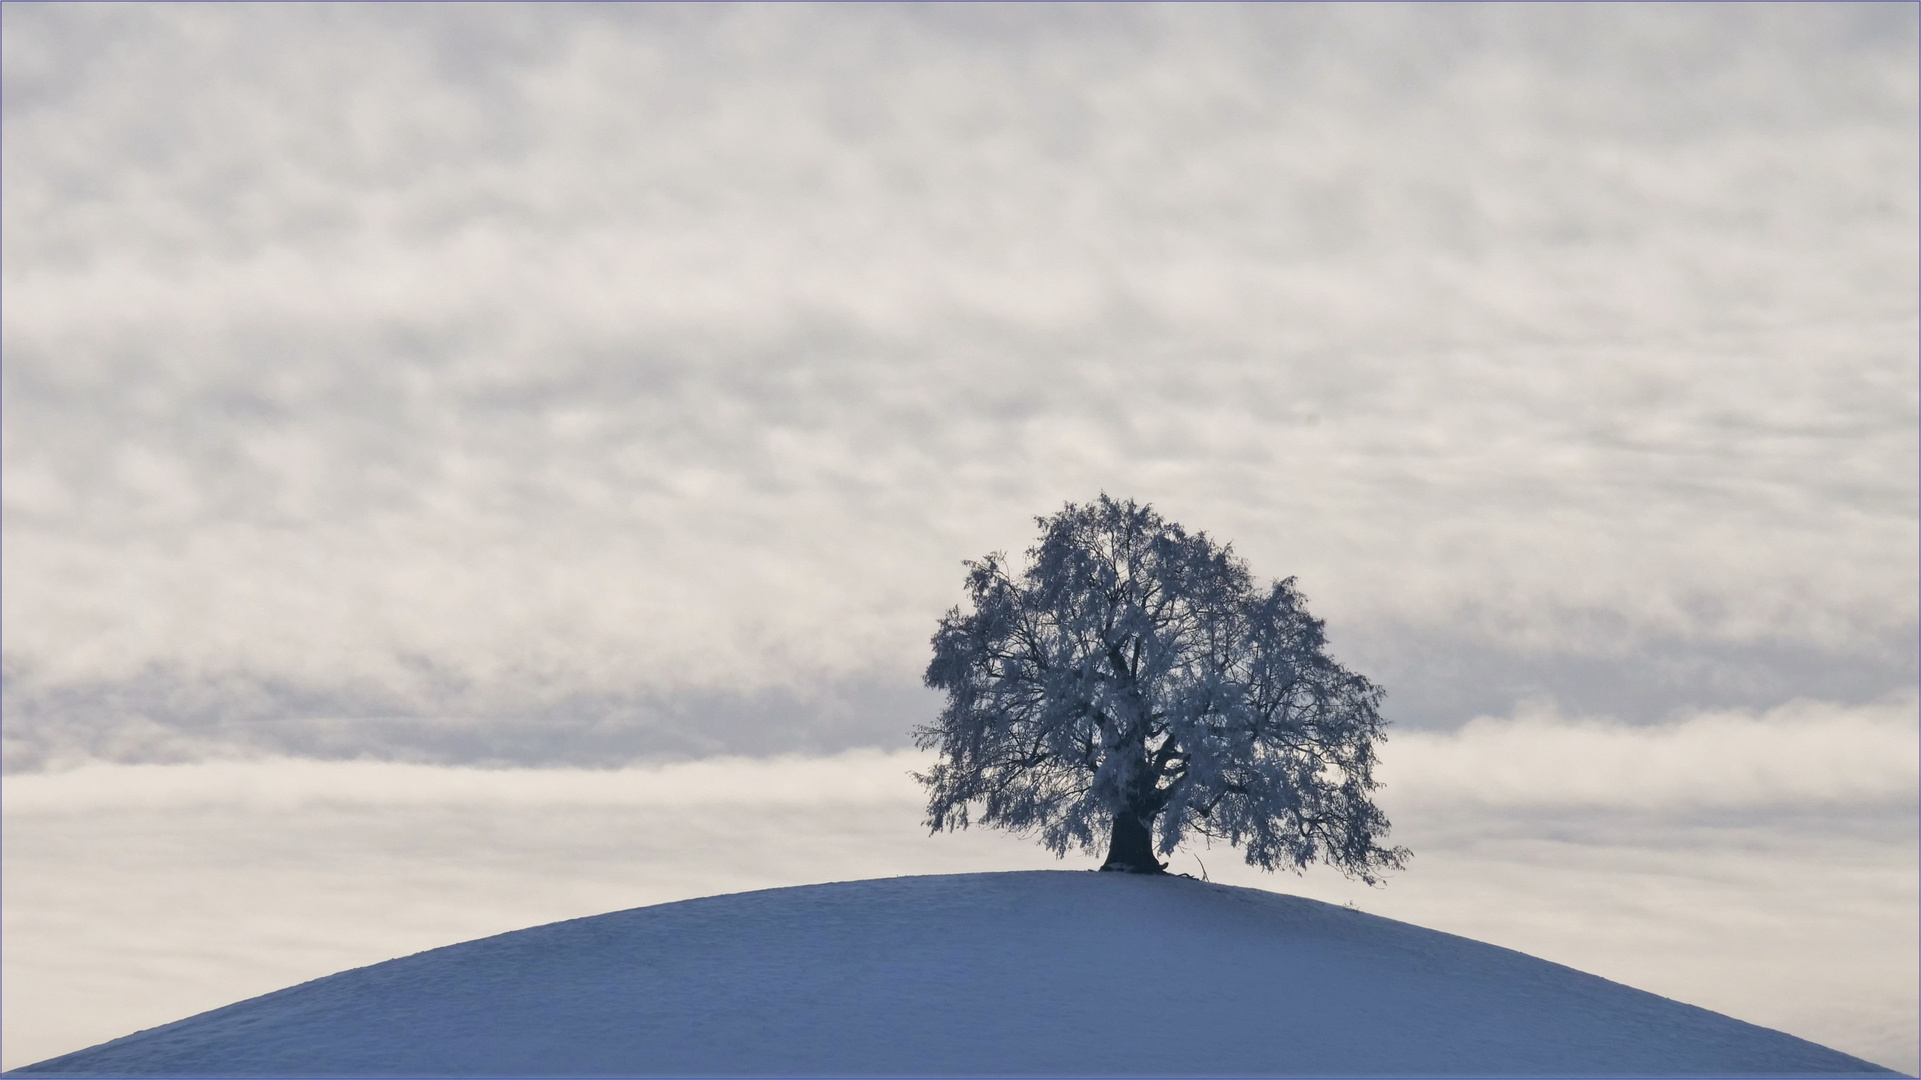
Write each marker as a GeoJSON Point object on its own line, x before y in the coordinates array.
{"type": "Point", "coordinates": [1132, 687]}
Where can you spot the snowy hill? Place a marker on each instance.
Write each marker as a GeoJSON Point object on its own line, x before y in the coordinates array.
{"type": "Point", "coordinates": [1052, 972]}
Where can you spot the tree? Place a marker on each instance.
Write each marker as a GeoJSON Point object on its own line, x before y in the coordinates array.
{"type": "Point", "coordinates": [1132, 687]}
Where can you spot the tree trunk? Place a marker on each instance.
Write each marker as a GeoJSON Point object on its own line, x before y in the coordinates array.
{"type": "Point", "coordinates": [1132, 849]}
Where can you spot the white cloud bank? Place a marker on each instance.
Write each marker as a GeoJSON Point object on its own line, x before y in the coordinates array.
{"type": "Point", "coordinates": [1805, 754]}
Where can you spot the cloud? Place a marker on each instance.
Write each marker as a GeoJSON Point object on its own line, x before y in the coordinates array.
{"type": "Point", "coordinates": [851, 777]}
{"type": "Point", "coordinates": [1800, 754]}
{"type": "Point", "coordinates": [546, 370]}
{"type": "Point", "coordinates": [1804, 755]}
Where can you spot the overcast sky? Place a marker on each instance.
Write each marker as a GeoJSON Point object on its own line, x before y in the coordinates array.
{"type": "Point", "coordinates": [534, 386]}
{"type": "Point", "coordinates": [546, 384]}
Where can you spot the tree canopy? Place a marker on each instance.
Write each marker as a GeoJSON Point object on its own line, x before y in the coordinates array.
{"type": "Point", "coordinates": [1132, 687]}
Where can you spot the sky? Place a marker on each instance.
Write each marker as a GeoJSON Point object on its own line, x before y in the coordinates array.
{"type": "Point", "coordinates": [574, 393]}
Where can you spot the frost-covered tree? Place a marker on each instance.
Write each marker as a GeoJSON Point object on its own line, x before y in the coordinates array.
{"type": "Point", "coordinates": [1133, 686]}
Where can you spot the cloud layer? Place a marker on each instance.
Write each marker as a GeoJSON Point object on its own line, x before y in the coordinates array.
{"type": "Point", "coordinates": [488, 384]}
{"type": "Point", "coordinates": [1799, 756]}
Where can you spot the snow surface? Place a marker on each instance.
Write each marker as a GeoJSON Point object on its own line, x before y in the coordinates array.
{"type": "Point", "coordinates": [1042, 972]}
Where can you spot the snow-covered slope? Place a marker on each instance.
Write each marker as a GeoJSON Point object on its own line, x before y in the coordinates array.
{"type": "Point", "coordinates": [1020, 973]}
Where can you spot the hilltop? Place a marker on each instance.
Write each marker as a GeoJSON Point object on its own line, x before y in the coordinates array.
{"type": "Point", "coordinates": [1044, 972]}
